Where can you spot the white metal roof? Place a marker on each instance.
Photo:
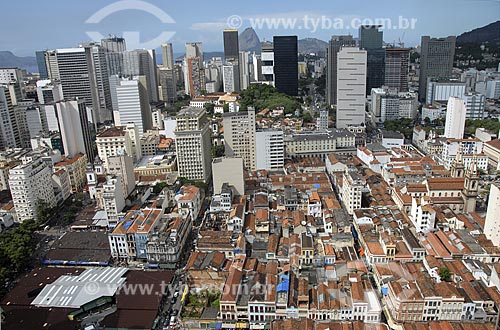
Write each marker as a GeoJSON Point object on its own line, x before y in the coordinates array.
{"type": "Point", "coordinates": [71, 291]}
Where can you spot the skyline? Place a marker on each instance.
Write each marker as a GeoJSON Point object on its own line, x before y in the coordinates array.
{"type": "Point", "coordinates": [212, 18]}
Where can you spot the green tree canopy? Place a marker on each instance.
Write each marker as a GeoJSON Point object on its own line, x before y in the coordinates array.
{"type": "Point", "coordinates": [262, 96]}
{"type": "Point", "coordinates": [444, 273]}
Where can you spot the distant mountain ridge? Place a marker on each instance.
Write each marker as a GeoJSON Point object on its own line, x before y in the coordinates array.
{"type": "Point", "coordinates": [249, 41]}
{"type": "Point", "coordinates": [9, 60]}
{"type": "Point", "coordinates": [312, 45]}
{"type": "Point", "coordinates": [486, 34]}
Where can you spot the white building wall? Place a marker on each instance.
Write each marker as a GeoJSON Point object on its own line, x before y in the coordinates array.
{"type": "Point", "coordinates": [455, 118]}
{"type": "Point", "coordinates": [269, 150]}
{"type": "Point", "coordinates": [351, 87]}
{"type": "Point", "coordinates": [492, 224]}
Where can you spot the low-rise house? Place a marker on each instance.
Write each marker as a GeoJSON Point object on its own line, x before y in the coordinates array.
{"type": "Point", "coordinates": [189, 201]}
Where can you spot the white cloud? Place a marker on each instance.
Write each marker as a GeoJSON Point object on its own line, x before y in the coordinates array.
{"type": "Point", "coordinates": [209, 26]}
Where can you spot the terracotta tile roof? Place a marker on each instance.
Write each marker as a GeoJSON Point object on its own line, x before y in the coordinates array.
{"type": "Point", "coordinates": [112, 132]}
{"type": "Point", "coordinates": [445, 183]}
{"type": "Point", "coordinates": [68, 161]}
{"type": "Point", "coordinates": [494, 143]}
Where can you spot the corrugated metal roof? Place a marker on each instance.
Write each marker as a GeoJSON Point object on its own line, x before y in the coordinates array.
{"type": "Point", "coordinates": [71, 291]}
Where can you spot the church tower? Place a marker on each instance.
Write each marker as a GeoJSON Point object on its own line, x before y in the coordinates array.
{"type": "Point", "coordinates": [471, 186]}
{"type": "Point", "coordinates": [457, 167]}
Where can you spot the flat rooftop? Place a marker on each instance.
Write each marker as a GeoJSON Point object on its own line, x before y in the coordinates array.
{"type": "Point", "coordinates": [80, 247]}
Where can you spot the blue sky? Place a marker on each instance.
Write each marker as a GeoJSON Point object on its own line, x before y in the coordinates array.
{"type": "Point", "coordinates": [29, 25]}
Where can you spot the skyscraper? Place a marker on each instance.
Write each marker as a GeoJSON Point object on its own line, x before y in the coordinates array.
{"type": "Point", "coordinates": [286, 69]}
{"type": "Point", "coordinates": [436, 60]}
{"type": "Point", "coordinates": [239, 136]}
{"type": "Point", "coordinates": [167, 55]}
{"type": "Point", "coordinates": [168, 84]}
{"type": "Point", "coordinates": [139, 62]}
{"type": "Point", "coordinates": [351, 87]}
{"type": "Point", "coordinates": [231, 78]}
{"type": "Point", "coordinates": [193, 144]}
{"type": "Point", "coordinates": [267, 64]}
{"type": "Point", "coordinates": [9, 132]}
{"type": "Point", "coordinates": [396, 68]}
{"type": "Point", "coordinates": [194, 74]}
{"type": "Point", "coordinates": [371, 39]}
{"type": "Point", "coordinates": [76, 131]}
{"type": "Point", "coordinates": [244, 68]}
{"type": "Point", "coordinates": [231, 47]}
{"type": "Point", "coordinates": [36, 121]}
{"type": "Point", "coordinates": [334, 45]}
{"type": "Point", "coordinates": [42, 66]}
{"type": "Point", "coordinates": [455, 118]}
{"type": "Point", "coordinates": [83, 73]}
{"type": "Point", "coordinates": [132, 103]}
{"type": "Point", "coordinates": [114, 44]}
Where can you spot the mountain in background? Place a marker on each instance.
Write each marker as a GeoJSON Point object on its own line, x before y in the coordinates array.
{"type": "Point", "coordinates": [9, 60]}
{"type": "Point", "coordinates": [312, 45]}
{"type": "Point", "coordinates": [249, 41]}
{"type": "Point", "coordinates": [486, 34]}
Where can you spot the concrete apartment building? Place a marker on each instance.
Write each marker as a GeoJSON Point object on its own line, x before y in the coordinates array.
{"type": "Point", "coordinates": [29, 183]}
{"type": "Point", "coordinates": [132, 104]}
{"type": "Point", "coordinates": [353, 184]}
{"type": "Point", "coordinates": [193, 144]}
{"type": "Point", "coordinates": [239, 136]}
{"type": "Point", "coordinates": [269, 150]}
{"type": "Point", "coordinates": [455, 118]}
{"type": "Point", "coordinates": [118, 140]}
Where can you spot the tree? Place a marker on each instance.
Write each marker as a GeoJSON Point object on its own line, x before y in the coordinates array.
{"type": "Point", "coordinates": [225, 107]}
{"type": "Point", "coordinates": [44, 212]}
{"type": "Point", "coordinates": [307, 117]}
{"type": "Point", "coordinates": [427, 121]}
{"type": "Point", "coordinates": [159, 187]}
{"type": "Point", "coordinates": [209, 108]}
{"type": "Point", "coordinates": [262, 96]}
{"type": "Point", "coordinates": [218, 151]}
{"type": "Point", "coordinates": [444, 273]}
{"type": "Point", "coordinates": [403, 125]}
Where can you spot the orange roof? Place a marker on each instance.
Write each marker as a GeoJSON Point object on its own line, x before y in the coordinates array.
{"type": "Point", "coordinates": [68, 161]}
{"type": "Point", "coordinates": [189, 192]}
{"type": "Point", "coordinates": [262, 215]}
{"type": "Point", "coordinates": [445, 183]}
{"type": "Point", "coordinates": [494, 143]}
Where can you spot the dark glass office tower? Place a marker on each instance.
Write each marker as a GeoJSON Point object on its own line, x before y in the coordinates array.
{"type": "Point", "coordinates": [375, 69]}
{"type": "Point", "coordinates": [371, 39]}
{"type": "Point", "coordinates": [396, 68]}
{"type": "Point", "coordinates": [286, 67]}
{"type": "Point", "coordinates": [436, 60]}
{"type": "Point", "coordinates": [231, 47]}
{"type": "Point", "coordinates": [42, 65]}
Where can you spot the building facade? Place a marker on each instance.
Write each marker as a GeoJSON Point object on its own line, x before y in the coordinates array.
{"type": "Point", "coordinates": [351, 87]}
{"type": "Point", "coordinates": [193, 144]}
